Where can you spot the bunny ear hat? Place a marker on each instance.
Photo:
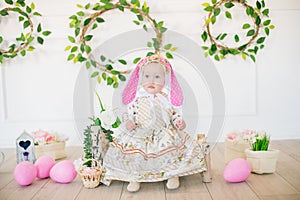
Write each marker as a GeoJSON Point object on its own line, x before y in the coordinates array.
{"type": "Point", "coordinates": [130, 91]}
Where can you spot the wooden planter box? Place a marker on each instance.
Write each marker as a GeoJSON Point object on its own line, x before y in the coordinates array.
{"type": "Point", "coordinates": [55, 150]}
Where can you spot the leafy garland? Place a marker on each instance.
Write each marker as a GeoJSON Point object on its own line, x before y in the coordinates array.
{"type": "Point", "coordinates": [24, 42]}
{"type": "Point", "coordinates": [260, 17]}
{"type": "Point", "coordinates": [89, 17]}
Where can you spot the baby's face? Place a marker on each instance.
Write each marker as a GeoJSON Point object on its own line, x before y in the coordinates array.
{"type": "Point", "coordinates": [153, 78]}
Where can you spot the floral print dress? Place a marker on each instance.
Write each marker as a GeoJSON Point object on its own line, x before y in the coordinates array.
{"type": "Point", "coordinates": [155, 150]}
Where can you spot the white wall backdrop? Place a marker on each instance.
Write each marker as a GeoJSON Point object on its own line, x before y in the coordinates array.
{"type": "Point", "coordinates": [36, 92]}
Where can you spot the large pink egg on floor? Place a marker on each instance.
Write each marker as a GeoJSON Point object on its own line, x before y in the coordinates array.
{"type": "Point", "coordinates": [237, 170]}
{"type": "Point", "coordinates": [43, 165]}
{"type": "Point", "coordinates": [63, 172]}
{"type": "Point", "coordinates": [25, 173]}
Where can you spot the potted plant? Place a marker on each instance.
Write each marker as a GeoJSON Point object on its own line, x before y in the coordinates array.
{"type": "Point", "coordinates": [261, 158]}
{"type": "Point", "coordinates": [236, 143]}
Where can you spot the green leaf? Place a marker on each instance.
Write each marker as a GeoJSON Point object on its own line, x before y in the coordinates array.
{"type": "Point", "coordinates": [223, 36]}
{"type": "Point", "coordinates": [168, 46]}
{"type": "Point", "coordinates": [149, 44]}
{"type": "Point", "coordinates": [21, 18]}
{"type": "Point", "coordinates": [26, 24]}
{"type": "Point", "coordinates": [234, 51]}
{"type": "Point", "coordinates": [109, 80]}
{"type": "Point", "coordinates": [37, 14]}
{"type": "Point", "coordinates": [88, 49]}
{"type": "Point", "coordinates": [102, 58]}
{"type": "Point", "coordinates": [122, 62]}
{"type": "Point", "coordinates": [10, 2]}
{"type": "Point", "coordinates": [249, 11]}
{"type": "Point", "coordinates": [71, 39]}
{"type": "Point", "coordinates": [103, 76]}
{"type": "Point", "coordinates": [236, 38]}
{"type": "Point", "coordinates": [1, 39]}
{"type": "Point", "coordinates": [229, 5]}
{"type": "Point", "coordinates": [250, 32]}
{"type": "Point", "coordinates": [136, 60]}
{"type": "Point", "coordinates": [145, 27]}
{"type": "Point", "coordinates": [260, 40]}
{"type": "Point", "coordinates": [266, 12]}
{"type": "Point", "coordinates": [117, 123]}
{"type": "Point", "coordinates": [224, 52]}
{"type": "Point", "coordinates": [123, 2]}
{"type": "Point", "coordinates": [134, 10]}
{"type": "Point", "coordinates": [75, 48]}
{"type": "Point", "coordinates": [209, 8]}
{"type": "Point", "coordinates": [88, 37]}
{"type": "Point", "coordinates": [121, 8]}
{"type": "Point", "coordinates": [163, 29]}
{"type": "Point", "coordinates": [205, 4]}
{"type": "Point", "coordinates": [267, 22]}
{"type": "Point", "coordinates": [213, 19]}
{"type": "Point", "coordinates": [257, 21]}
{"type": "Point", "coordinates": [213, 1]}
{"type": "Point", "coordinates": [243, 47]}
{"type": "Point", "coordinates": [87, 65]}
{"type": "Point", "coordinates": [71, 56]}
{"type": "Point", "coordinates": [108, 6]}
{"type": "Point", "coordinates": [28, 9]}
{"type": "Point", "coordinates": [77, 31]}
{"type": "Point", "coordinates": [213, 48]}
{"type": "Point", "coordinates": [3, 12]}
{"type": "Point", "coordinates": [87, 21]}
{"type": "Point", "coordinates": [94, 74]}
{"type": "Point", "coordinates": [87, 6]}
{"type": "Point", "coordinates": [217, 11]}
{"type": "Point", "coordinates": [121, 77]}
{"type": "Point", "coordinates": [267, 31]}
{"type": "Point", "coordinates": [252, 57]}
{"type": "Point", "coordinates": [46, 33]}
{"type": "Point", "coordinates": [246, 26]}
{"type": "Point", "coordinates": [204, 47]}
{"type": "Point", "coordinates": [140, 17]}
{"type": "Point", "coordinates": [80, 13]}
{"type": "Point", "coordinates": [136, 22]}
{"type": "Point", "coordinates": [169, 55]}
{"type": "Point", "coordinates": [150, 53]}
{"type": "Point", "coordinates": [39, 28]}
{"type": "Point", "coordinates": [204, 36]}
{"type": "Point", "coordinates": [100, 20]}
{"type": "Point", "coordinates": [258, 5]}
{"type": "Point", "coordinates": [217, 58]}
{"type": "Point", "coordinates": [271, 26]}
{"type": "Point", "coordinates": [30, 48]}
{"type": "Point", "coordinates": [228, 15]}
{"type": "Point", "coordinates": [115, 85]}
{"type": "Point", "coordinates": [23, 52]}
{"type": "Point", "coordinates": [114, 72]}
{"type": "Point", "coordinates": [155, 43]}
{"type": "Point", "coordinates": [108, 67]}
{"type": "Point", "coordinates": [40, 40]}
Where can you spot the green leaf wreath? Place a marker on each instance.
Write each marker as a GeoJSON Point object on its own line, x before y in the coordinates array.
{"type": "Point", "coordinates": [25, 42]}
{"type": "Point", "coordinates": [256, 32]}
{"type": "Point", "coordinates": [89, 18]}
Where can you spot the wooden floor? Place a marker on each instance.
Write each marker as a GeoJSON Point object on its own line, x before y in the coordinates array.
{"type": "Point", "coordinates": [284, 184]}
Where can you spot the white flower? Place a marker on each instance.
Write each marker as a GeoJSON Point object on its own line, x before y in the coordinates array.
{"type": "Point", "coordinates": [108, 118]}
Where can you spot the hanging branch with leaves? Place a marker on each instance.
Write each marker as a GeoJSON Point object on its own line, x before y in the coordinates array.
{"type": "Point", "coordinates": [256, 32]}
{"type": "Point", "coordinates": [88, 19]}
{"type": "Point", "coordinates": [25, 42]}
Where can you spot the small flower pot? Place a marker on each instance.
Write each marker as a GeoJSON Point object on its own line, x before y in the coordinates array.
{"type": "Point", "coordinates": [262, 161]}
{"type": "Point", "coordinates": [56, 150]}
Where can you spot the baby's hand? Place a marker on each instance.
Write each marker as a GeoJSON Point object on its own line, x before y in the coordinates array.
{"type": "Point", "coordinates": [130, 125]}
{"type": "Point", "coordinates": [181, 124]}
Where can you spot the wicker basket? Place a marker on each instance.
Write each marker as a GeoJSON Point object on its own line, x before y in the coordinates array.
{"type": "Point", "coordinates": [90, 176]}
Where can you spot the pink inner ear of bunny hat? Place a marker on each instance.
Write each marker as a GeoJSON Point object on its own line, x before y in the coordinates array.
{"type": "Point", "coordinates": [129, 93]}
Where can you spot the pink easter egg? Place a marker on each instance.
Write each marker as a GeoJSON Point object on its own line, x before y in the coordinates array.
{"type": "Point", "coordinates": [25, 173]}
{"type": "Point", "coordinates": [43, 165]}
{"type": "Point", "coordinates": [237, 170]}
{"type": "Point", "coordinates": [63, 172]}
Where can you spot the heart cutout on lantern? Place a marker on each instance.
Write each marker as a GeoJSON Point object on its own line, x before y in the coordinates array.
{"type": "Point", "coordinates": [25, 144]}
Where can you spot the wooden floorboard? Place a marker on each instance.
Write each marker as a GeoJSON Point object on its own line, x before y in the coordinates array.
{"type": "Point", "coordinates": [284, 184]}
